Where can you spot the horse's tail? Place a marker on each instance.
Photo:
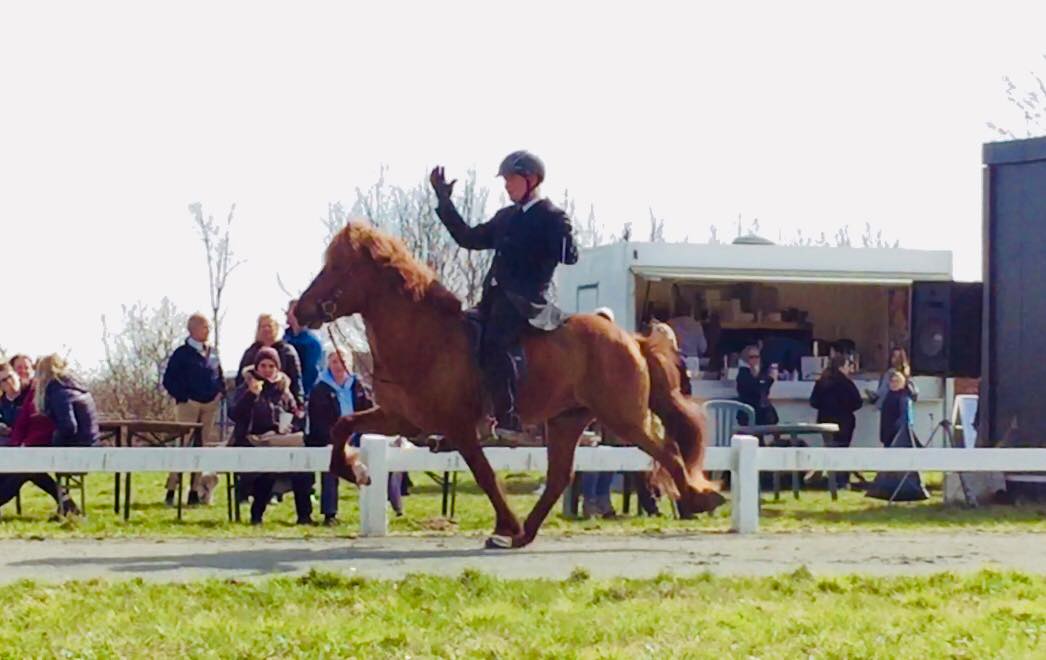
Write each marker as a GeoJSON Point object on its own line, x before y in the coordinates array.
{"type": "Point", "coordinates": [681, 417]}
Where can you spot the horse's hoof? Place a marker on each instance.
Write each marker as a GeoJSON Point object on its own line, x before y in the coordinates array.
{"type": "Point", "coordinates": [439, 445]}
{"type": "Point", "coordinates": [498, 542]}
{"type": "Point", "coordinates": [361, 480]}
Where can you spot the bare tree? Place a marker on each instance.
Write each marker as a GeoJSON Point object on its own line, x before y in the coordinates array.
{"type": "Point", "coordinates": [657, 228]}
{"type": "Point", "coordinates": [217, 245]}
{"type": "Point", "coordinates": [421, 231]}
{"type": "Point", "coordinates": [129, 382]}
{"type": "Point", "coordinates": [590, 234]}
{"type": "Point", "coordinates": [842, 237]}
{"type": "Point", "coordinates": [335, 220]}
{"type": "Point", "coordinates": [470, 266]}
{"type": "Point", "coordinates": [377, 203]}
{"type": "Point", "coordinates": [1029, 98]}
{"type": "Point", "coordinates": [870, 238]}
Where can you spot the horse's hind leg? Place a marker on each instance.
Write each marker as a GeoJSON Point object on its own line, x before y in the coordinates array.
{"type": "Point", "coordinates": [505, 522]}
{"type": "Point", "coordinates": [563, 434]}
{"type": "Point", "coordinates": [638, 431]}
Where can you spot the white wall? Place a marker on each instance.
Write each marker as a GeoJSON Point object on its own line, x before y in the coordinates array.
{"type": "Point", "coordinates": [606, 269]}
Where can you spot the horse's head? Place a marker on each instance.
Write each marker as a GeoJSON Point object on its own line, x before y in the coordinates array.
{"type": "Point", "coordinates": [341, 287]}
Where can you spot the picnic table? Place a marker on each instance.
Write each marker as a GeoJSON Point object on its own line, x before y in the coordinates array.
{"type": "Point", "coordinates": [790, 435]}
{"type": "Point", "coordinates": [149, 433]}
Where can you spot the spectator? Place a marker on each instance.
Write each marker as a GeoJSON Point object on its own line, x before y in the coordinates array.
{"type": "Point", "coordinates": [24, 367]}
{"type": "Point", "coordinates": [309, 347]}
{"type": "Point", "coordinates": [836, 399]}
{"type": "Point", "coordinates": [66, 402]}
{"type": "Point", "coordinates": [663, 334]}
{"type": "Point", "coordinates": [337, 393]}
{"type": "Point", "coordinates": [16, 378]}
{"type": "Point", "coordinates": [264, 409]}
{"type": "Point", "coordinates": [29, 429]}
{"type": "Point", "coordinates": [896, 430]}
{"type": "Point", "coordinates": [898, 364]}
{"type": "Point", "coordinates": [12, 396]}
{"type": "Point", "coordinates": [268, 335]}
{"type": "Point", "coordinates": [689, 332]}
{"type": "Point", "coordinates": [896, 409]}
{"type": "Point", "coordinates": [194, 380]}
{"type": "Point", "coordinates": [753, 387]}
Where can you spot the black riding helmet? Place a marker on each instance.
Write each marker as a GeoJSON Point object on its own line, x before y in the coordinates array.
{"type": "Point", "coordinates": [523, 163]}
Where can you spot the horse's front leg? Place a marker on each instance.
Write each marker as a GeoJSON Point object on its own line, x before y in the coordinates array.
{"type": "Point", "coordinates": [506, 525]}
{"type": "Point", "coordinates": [345, 461]}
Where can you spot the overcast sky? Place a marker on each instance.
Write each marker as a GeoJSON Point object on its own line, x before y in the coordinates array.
{"type": "Point", "coordinates": [115, 116]}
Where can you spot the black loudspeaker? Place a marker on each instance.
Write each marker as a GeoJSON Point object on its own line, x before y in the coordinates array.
{"type": "Point", "coordinates": [946, 329]}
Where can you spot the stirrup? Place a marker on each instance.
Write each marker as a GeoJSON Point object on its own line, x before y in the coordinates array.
{"type": "Point", "coordinates": [511, 435]}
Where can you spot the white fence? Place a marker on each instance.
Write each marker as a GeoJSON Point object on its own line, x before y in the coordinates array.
{"type": "Point", "coordinates": [744, 459]}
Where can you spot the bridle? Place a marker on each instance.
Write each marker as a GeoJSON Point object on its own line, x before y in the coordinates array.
{"type": "Point", "coordinates": [329, 306]}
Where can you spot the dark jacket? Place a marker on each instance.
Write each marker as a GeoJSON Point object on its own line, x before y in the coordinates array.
{"type": "Point", "coordinates": [32, 428]}
{"type": "Point", "coordinates": [310, 353]}
{"type": "Point", "coordinates": [324, 410]}
{"type": "Point", "coordinates": [836, 399]}
{"type": "Point", "coordinates": [192, 376]}
{"type": "Point", "coordinates": [257, 414]}
{"type": "Point", "coordinates": [9, 408]}
{"type": "Point", "coordinates": [895, 417]}
{"type": "Point", "coordinates": [290, 365]}
{"type": "Point", "coordinates": [71, 407]}
{"type": "Point", "coordinates": [528, 247]}
{"type": "Point", "coordinates": [755, 391]}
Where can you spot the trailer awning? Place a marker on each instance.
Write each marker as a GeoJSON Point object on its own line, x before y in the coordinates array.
{"type": "Point", "coordinates": [683, 274]}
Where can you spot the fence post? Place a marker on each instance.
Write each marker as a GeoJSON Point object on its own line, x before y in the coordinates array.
{"type": "Point", "coordinates": [374, 518]}
{"type": "Point", "coordinates": [744, 484]}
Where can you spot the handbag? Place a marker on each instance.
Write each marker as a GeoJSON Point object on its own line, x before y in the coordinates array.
{"type": "Point", "coordinates": [274, 439]}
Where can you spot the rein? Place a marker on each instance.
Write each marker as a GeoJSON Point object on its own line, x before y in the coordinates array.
{"type": "Point", "coordinates": [334, 343]}
{"type": "Point", "coordinates": [329, 307]}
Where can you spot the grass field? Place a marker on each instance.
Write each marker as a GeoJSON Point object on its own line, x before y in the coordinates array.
{"type": "Point", "coordinates": [813, 511]}
{"type": "Point", "coordinates": [984, 615]}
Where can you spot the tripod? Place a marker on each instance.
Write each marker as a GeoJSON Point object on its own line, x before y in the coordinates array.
{"type": "Point", "coordinates": [947, 440]}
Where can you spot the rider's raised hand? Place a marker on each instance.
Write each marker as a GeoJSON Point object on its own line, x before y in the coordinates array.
{"type": "Point", "coordinates": [439, 183]}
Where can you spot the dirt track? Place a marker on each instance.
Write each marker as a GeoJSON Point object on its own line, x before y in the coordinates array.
{"type": "Point", "coordinates": [553, 557]}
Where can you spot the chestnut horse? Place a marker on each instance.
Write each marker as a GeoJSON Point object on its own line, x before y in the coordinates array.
{"type": "Point", "coordinates": [426, 379]}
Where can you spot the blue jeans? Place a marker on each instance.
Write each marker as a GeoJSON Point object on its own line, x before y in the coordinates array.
{"type": "Point", "coordinates": [596, 484]}
{"type": "Point", "coordinates": [329, 493]}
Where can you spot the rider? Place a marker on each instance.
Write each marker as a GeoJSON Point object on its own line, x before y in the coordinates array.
{"type": "Point", "coordinates": [529, 238]}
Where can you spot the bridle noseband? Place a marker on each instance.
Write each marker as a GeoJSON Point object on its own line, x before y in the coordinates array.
{"type": "Point", "coordinates": [330, 305]}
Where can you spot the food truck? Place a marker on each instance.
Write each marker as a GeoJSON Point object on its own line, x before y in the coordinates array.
{"type": "Point", "coordinates": [793, 302]}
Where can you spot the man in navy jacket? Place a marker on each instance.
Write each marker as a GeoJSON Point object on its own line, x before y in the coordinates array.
{"type": "Point", "coordinates": [194, 379]}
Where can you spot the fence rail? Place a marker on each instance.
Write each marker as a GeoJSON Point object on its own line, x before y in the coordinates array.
{"type": "Point", "coordinates": [744, 459]}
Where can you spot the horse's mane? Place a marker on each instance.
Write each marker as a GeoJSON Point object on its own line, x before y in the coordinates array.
{"type": "Point", "coordinates": [389, 253]}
